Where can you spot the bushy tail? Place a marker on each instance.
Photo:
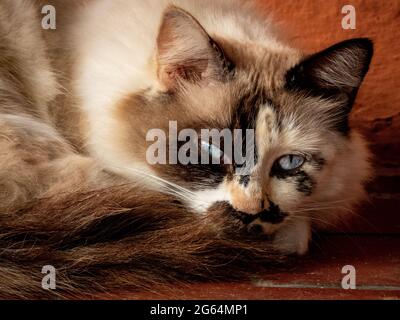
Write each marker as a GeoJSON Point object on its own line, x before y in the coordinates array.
{"type": "Point", "coordinates": [121, 239]}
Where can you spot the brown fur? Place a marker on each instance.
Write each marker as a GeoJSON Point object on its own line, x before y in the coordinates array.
{"type": "Point", "coordinates": [115, 239]}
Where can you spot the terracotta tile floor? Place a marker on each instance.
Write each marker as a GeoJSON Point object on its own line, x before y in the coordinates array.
{"type": "Point", "coordinates": [376, 259]}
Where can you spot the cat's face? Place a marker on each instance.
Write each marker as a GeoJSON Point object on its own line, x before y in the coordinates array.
{"type": "Point", "coordinates": [307, 161]}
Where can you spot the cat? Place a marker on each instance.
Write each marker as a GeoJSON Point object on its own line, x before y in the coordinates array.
{"type": "Point", "coordinates": [77, 104]}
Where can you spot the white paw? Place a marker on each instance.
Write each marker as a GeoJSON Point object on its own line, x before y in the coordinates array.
{"type": "Point", "coordinates": [294, 238]}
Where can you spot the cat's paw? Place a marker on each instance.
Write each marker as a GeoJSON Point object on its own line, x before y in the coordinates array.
{"type": "Point", "coordinates": [293, 238]}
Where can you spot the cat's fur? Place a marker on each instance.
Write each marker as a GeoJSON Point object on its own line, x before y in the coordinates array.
{"type": "Point", "coordinates": [75, 107]}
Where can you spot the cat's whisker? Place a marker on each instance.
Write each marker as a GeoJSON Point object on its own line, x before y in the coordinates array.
{"type": "Point", "coordinates": [168, 186]}
{"type": "Point", "coordinates": [321, 221]}
{"type": "Point", "coordinates": [311, 209]}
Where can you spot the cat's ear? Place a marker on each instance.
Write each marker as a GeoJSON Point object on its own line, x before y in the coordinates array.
{"type": "Point", "coordinates": [336, 71]}
{"type": "Point", "coordinates": [185, 52]}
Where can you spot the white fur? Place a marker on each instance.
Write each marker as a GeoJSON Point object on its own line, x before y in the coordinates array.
{"type": "Point", "coordinates": [203, 199]}
{"type": "Point", "coordinates": [294, 236]}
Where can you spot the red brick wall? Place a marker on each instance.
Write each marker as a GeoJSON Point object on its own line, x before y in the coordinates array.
{"type": "Point", "coordinates": [315, 24]}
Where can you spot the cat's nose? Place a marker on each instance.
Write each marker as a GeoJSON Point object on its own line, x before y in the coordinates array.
{"type": "Point", "coordinates": [249, 206]}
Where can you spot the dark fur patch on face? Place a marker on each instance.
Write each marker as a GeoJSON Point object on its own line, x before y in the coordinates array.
{"type": "Point", "coordinates": [244, 180]}
{"type": "Point", "coordinates": [304, 183]}
{"type": "Point", "coordinates": [196, 176]}
{"type": "Point", "coordinates": [273, 214]}
{"type": "Point", "coordinates": [245, 117]}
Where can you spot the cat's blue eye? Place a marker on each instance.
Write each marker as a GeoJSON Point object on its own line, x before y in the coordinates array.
{"type": "Point", "coordinates": [291, 162]}
{"type": "Point", "coordinates": [212, 150]}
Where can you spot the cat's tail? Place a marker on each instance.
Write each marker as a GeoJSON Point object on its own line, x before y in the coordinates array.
{"type": "Point", "coordinates": [121, 239]}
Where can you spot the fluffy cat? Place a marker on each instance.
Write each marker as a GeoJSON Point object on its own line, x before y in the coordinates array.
{"type": "Point", "coordinates": [76, 104]}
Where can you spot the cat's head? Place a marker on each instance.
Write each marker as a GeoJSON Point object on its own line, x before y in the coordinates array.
{"type": "Point", "coordinates": [308, 161]}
